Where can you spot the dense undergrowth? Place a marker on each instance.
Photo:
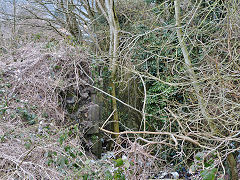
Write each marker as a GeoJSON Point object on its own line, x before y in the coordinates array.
{"type": "Point", "coordinates": [38, 140]}
{"type": "Point", "coordinates": [166, 125]}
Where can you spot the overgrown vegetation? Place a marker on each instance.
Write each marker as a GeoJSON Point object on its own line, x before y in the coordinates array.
{"type": "Point", "coordinates": [164, 74]}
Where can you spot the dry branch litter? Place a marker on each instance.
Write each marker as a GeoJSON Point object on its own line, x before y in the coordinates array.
{"type": "Point", "coordinates": [31, 79]}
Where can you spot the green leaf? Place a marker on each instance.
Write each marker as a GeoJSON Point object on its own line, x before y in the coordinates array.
{"type": "Point", "coordinates": [70, 132]}
{"type": "Point", "coordinates": [75, 165]}
{"type": "Point", "coordinates": [49, 162]}
{"type": "Point", "coordinates": [62, 138]}
{"type": "Point", "coordinates": [108, 175]}
{"type": "Point", "coordinates": [208, 174]}
{"type": "Point", "coordinates": [32, 122]}
{"type": "Point", "coordinates": [199, 156]}
{"type": "Point", "coordinates": [119, 162]}
{"type": "Point", "coordinates": [2, 138]}
{"type": "Point", "coordinates": [79, 153]}
{"type": "Point", "coordinates": [62, 161]}
{"type": "Point", "coordinates": [67, 148]}
{"type": "Point", "coordinates": [72, 155]}
{"type": "Point", "coordinates": [27, 145]}
{"type": "Point", "coordinates": [85, 177]}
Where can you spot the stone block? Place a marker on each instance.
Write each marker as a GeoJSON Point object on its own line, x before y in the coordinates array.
{"type": "Point", "coordinates": [93, 117]}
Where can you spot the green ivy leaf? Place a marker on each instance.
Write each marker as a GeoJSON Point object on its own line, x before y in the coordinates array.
{"type": "Point", "coordinates": [119, 162]}
{"type": "Point", "coordinates": [208, 174]}
{"type": "Point", "coordinates": [27, 145]}
{"type": "Point", "coordinates": [62, 138]}
{"type": "Point", "coordinates": [49, 162]}
{"type": "Point", "coordinates": [199, 156]}
{"type": "Point", "coordinates": [108, 175]}
{"type": "Point", "coordinates": [67, 148]}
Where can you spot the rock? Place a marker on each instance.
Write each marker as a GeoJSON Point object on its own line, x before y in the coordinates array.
{"type": "Point", "coordinates": [70, 100]}
{"type": "Point", "coordinates": [96, 147]}
{"type": "Point", "coordinates": [84, 95]}
{"type": "Point", "coordinates": [93, 116]}
{"type": "Point", "coordinates": [93, 134]}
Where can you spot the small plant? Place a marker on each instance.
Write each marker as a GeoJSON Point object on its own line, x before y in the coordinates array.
{"type": "Point", "coordinates": [52, 43]}
{"type": "Point", "coordinates": [69, 157]}
{"type": "Point", "coordinates": [37, 37]}
{"type": "Point", "coordinates": [205, 164]}
{"type": "Point", "coordinates": [27, 116]}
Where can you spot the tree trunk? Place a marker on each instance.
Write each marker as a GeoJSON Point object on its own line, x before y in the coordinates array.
{"type": "Point", "coordinates": [113, 53]}
{"type": "Point", "coordinates": [190, 70]}
{"type": "Point", "coordinates": [230, 158]}
{"type": "Point", "coordinates": [232, 166]}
